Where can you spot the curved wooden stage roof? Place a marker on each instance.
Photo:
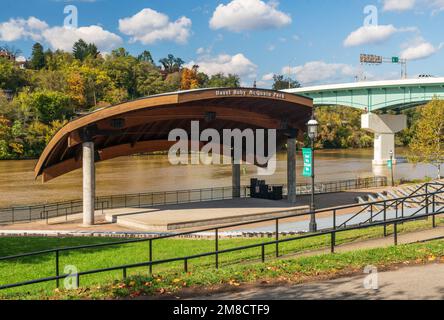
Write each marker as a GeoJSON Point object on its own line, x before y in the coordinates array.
{"type": "Point", "coordinates": [143, 125]}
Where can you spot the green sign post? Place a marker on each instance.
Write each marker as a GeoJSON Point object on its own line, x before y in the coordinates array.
{"type": "Point", "coordinates": [307, 154]}
{"type": "Point", "coordinates": [395, 59]}
{"type": "Point", "coordinates": [390, 164]}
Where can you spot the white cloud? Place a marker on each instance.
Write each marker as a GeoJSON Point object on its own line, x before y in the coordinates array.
{"type": "Point", "coordinates": [149, 26]}
{"type": "Point", "coordinates": [244, 15]}
{"type": "Point", "coordinates": [398, 5]}
{"type": "Point", "coordinates": [64, 38]}
{"type": "Point", "coordinates": [436, 5]}
{"type": "Point", "coordinates": [19, 28]}
{"type": "Point", "coordinates": [370, 34]}
{"type": "Point", "coordinates": [57, 37]}
{"type": "Point", "coordinates": [225, 63]}
{"type": "Point", "coordinates": [316, 71]}
{"type": "Point", "coordinates": [404, 5]}
{"type": "Point", "coordinates": [268, 77]}
{"type": "Point", "coordinates": [419, 49]}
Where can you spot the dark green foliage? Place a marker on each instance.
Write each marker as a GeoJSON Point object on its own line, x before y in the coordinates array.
{"type": "Point", "coordinates": [171, 64]}
{"type": "Point", "coordinates": [50, 105]}
{"type": "Point", "coordinates": [222, 81]}
{"type": "Point", "coordinates": [38, 57]}
{"type": "Point", "coordinates": [146, 56]}
{"type": "Point", "coordinates": [282, 83]}
{"type": "Point", "coordinates": [82, 50]}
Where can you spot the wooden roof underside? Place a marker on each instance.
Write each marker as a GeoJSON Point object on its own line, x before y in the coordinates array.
{"type": "Point", "coordinates": [144, 125]}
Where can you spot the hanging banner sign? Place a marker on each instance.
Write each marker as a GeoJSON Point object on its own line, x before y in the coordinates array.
{"type": "Point", "coordinates": [390, 164]}
{"type": "Point", "coordinates": [307, 155]}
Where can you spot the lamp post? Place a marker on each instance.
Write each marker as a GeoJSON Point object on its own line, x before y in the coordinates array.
{"type": "Point", "coordinates": [312, 127]}
{"type": "Point", "coordinates": [391, 168]}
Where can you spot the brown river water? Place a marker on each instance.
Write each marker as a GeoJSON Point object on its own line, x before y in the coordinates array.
{"type": "Point", "coordinates": [154, 173]}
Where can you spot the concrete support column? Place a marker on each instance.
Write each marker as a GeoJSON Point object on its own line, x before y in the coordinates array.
{"type": "Point", "coordinates": [384, 143]}
{"type": "Point", "coordinates": [291, 169]}
{"type": "Point", "coordinates": [384, 127]}
{"type": "Point", "coordinates": [89, 183]}
{"type": "Point", "coordinates": [236, 180]}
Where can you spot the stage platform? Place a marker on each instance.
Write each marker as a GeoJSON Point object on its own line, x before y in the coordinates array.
{"type": "Point", "coordinates": [191, 216]}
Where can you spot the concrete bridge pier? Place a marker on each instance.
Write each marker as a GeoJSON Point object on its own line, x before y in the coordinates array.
{"type": "Point", "coordinates": [384, 127]}
{"type": "Point", "coordinates": [89, 183]}
{"type": "Point", "coordinates": [291, 169]}
{"type": "Point", "coordinates": [236, 179]}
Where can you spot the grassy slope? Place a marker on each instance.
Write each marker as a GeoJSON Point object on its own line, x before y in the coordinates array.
{"type": "Point", "coordinates": [43, 266]}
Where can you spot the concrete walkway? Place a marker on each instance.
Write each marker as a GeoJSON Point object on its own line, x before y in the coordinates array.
{"type": "Point", "coordinates": [73, 223]}
{"type": "Point", "coordinates": [409, 283]}
{"type": "Point", "coordinates": [178, 217]}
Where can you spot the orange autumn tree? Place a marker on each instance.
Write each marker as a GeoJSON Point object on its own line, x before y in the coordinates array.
{"type": "Point", "coordinates": [189, 79]}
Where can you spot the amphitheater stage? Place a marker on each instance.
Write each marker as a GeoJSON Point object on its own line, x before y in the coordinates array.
{"type": "Point", "coordinates": [189, 216]}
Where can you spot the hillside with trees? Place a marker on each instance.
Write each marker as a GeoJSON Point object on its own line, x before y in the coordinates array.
{"type": "Point", "coordinates": [37, 99]}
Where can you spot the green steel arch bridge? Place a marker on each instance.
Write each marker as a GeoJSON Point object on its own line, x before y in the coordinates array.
{"type": "Point", "coordinates": [376, 95]}
{"type": "Point", "coordinates": [396, 95]}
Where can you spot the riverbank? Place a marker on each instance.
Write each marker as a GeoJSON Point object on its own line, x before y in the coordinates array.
{"type": "Point", "coordinates": [154, 173]}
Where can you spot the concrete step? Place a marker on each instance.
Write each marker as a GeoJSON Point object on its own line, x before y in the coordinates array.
{"type": "Point", "coordinates": [382, 196]}
{"type": "Point", "coordinates": [361, 200]}
{"type": "Point", "coordinates": [206, 214]}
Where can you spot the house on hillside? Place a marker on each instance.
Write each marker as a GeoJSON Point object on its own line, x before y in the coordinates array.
{"type": "Point", "coordinates": [6, 55]}
{"type": "Point", "coordinates": [20, 61]}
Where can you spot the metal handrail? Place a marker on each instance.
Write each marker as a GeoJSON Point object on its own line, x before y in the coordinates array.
{"type": "Point", "coordinates": [395, 202]}
{"type": "Point", "coordinates": [70, 207]}
{"type": "Point", "coordinates": [332, 231]}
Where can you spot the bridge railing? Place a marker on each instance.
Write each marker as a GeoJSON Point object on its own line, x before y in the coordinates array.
{"type": "Point", "coordinates": [431, 208]}
{"type": "Point", "coordinates": [21, 214]}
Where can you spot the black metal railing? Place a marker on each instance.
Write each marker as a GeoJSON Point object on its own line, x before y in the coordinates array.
{"type": "Point", "coordinates": [20, 214]}
{"type": "Point", "coordinates": [432, 207]}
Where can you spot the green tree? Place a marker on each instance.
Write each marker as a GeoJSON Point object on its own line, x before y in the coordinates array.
{"type": "Point", "coordinates": [146, 56]}
{"type": "Point", "coordinates": [427, 145]}
{"type": "Point", "coordinates": [282, 83]}
{"type": "Point", "coordinates": [7, 107]}
{"type": "Point", "coordinates": [222, 81]}
{"type": "Point", "coordinates": [58, 60]}
{"type": "Point", "coordinates": [96, 82]}
{"type": "Point", "coordinates": [120, 53]}
{"type": "Point", "coordinates": [171, 64]}
{"type": "Point", "coordinates": [11, 145]}
{"type": "Point", "coordinates": [81, 50]}
{"type": "Point", "coordinates": [405, 136]}
{"type": "Point", "coordinates": [172, 82]}
{"type": "Point", "coordinates": [149, 80]}
{"type": "Point", "coordinates": [121, 68]}
{"type": "Point", "coordinates": [203, 80]}
{"type": "Point", "coordinates": [38, 59]}
{"type": "Point", "coordinates": [54, 80]}
{"type": "Point", "coordinates": [11, 77]}
{"type": "Point", "coordinates": [340, 127]}
{"type": "Point", "coordinates": [48, 106]}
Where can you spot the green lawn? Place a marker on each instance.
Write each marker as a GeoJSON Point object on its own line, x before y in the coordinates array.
{"type": "Point", "coordinates": [44, 265]}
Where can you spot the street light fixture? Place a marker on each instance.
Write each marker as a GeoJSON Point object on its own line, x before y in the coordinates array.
{"type": "Point", "coordinates": [312, 127]}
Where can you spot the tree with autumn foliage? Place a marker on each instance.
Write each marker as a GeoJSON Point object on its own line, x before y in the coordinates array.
{"type": "Point", "coordinates": [189, 79]}
{"type": "Point", "coordinates": [427, 145]}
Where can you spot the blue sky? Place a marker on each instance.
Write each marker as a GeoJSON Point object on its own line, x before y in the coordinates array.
{"type": "Point", "coordinates": [316, 41]}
